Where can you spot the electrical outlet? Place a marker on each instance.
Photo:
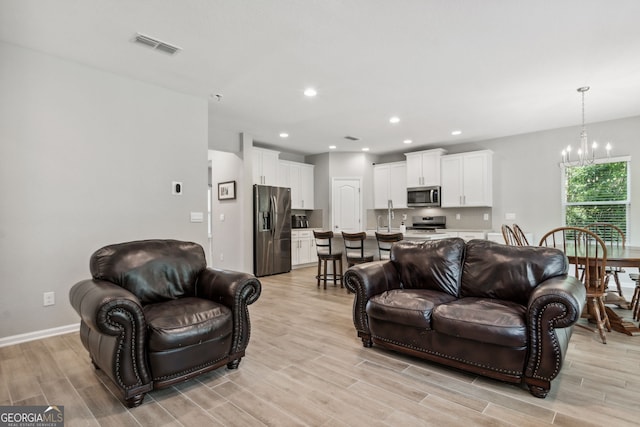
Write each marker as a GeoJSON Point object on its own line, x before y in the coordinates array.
{"type": "Point", "coordinates": [221, 256]}
{"type": "Point", "coordinates": [48, 298]}
{"type": "Point", "coordinates": [486, 217]}
{"type": "Point", "coordinates": [457, 216]}
{"type": "Point", "coordinates": [404, 217]}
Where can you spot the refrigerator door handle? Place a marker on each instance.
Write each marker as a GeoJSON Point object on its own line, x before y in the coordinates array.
{"type": "Point", "coordinates": [274, 213]}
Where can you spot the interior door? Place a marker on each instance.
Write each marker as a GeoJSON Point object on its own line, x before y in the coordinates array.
{"type": "Point", "coordinates": [346, 205]}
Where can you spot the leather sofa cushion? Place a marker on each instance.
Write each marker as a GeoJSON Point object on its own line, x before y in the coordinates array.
{"type": "Point", "coordinates": [409, 307]}
{"type": "Point", "coordinates": [435, 265]}
{"type": "Point", "coordinates": [493, 270]}
{"type": "Point", "coordinates": [153, 270]}
{"type": "Point", "coordinates": [186, 321]}
{"type": "Point", "coordinates": [482, 319]}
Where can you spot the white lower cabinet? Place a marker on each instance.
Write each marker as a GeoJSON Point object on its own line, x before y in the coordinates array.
{"type": "Point", "coordinates": [468, 235]}
{"type": "Point", "coordinates": [303, 247]}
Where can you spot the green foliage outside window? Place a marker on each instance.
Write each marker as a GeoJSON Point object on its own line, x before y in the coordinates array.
{"type": "Point", "coordinates": [597, 193]}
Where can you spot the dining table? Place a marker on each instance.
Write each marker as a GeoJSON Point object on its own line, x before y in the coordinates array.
{"type": "Point", "coordinates": [618, 256]}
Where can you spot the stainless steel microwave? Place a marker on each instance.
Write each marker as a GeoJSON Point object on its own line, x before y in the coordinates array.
{"type": "Point", "coordinates": [423, 197]}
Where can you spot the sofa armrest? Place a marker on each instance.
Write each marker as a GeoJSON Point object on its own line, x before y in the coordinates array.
{"type": "Point", "coordinates": [106, 307]}
{"type": "Point", "coordinates": [365, 281]}
{"type": "Point", "coordinates": [113, 330]}
{"type": "Point", "coordinates": [235, 290]}
{"type": "Point", "coordinates": [554, 306]}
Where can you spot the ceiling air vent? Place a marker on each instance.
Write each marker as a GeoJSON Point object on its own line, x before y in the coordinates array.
{"type": "Point", "coordinates": [352, 138]}
{"type": "Point", "coordinates": [156, 44]}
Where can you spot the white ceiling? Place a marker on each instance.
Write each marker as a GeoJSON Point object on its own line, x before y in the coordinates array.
{"type": "Point", "coordinates": [490, 68]}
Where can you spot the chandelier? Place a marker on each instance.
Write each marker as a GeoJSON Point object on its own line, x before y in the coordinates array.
{"type": "Point", "coordinates": [584, 155]}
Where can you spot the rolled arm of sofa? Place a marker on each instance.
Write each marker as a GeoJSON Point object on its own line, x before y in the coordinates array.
{"type": "Point", "coordinates": [113, 330]}
{"type": "Point", "coordinates": [365, 281]}
{"type": "Point", "coordinates": [554, 306]}
{"type": "Point", "coordinates": [235, 290]}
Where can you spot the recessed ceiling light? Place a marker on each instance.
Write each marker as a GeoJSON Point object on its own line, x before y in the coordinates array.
{"type": "Point", "coordinates": [332, 147]}
{"type": "Point", "coordinates": [284, 135]}
{"type": "Point", "coordinates": [394, 120]}
{"type": "Point", "coordinates": [407, 141]}
{"type": "Point", "coordinates": [365, 149]}
{"type": "Point", "coordinates": [310, 92]}
{"type": "Point", "coordinates": [456, 132]}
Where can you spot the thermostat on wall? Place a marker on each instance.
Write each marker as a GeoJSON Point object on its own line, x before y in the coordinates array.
{"type": "Point", "coordinates": [176, 188]}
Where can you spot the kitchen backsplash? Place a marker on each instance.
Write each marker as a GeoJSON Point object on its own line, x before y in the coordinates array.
{"type": "Point", "coordinates": [469, 218]}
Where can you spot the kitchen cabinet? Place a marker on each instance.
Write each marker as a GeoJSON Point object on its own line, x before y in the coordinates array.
{"type": "Point", "coordinates": [390, 183]}
{"type": "Point", "coordinates": [468, 235]}
{"type": "Point", "coordinates": [303, 247]}
{"type": "Point", "coordinates": [265, 166]}
{"type": "Point", "coordinates": [423, 167]}
{"type": "Point", "coordinates": [467, 179]}
{"type": "Point", "coordinates": [298, 177]}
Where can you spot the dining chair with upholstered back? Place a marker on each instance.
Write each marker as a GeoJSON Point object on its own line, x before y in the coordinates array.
{"type": "Point", "coordinates": [326, 252]}
{"type": "Point", "coordinates": [588, 252]}
{"type": "Point", "coordinates": [522, 238]}
{"type": "Point", "coordinates": [385, 241]}
{"type": "Point", "coordinates": [509, 236]}
{"type": "Point", "coordinates": [354, 248]}
{"type": "Point", "coordinates": [613, 237]}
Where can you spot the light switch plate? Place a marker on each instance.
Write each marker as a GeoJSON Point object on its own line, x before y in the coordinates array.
{"type": "Point", "coordinates": [197, 217]}
{"type": "Point", "coordinates": [510, 216]}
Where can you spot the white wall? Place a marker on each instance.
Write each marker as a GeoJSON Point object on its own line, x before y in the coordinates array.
{"type": "Point", "coordinates": [228, 247]}
{"type": "Point", "coordinates": [88, 159]}
{"type": "Point", "coordinates": [527, 173]}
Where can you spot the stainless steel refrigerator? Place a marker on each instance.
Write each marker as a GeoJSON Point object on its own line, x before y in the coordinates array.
{"type": "Point", "coordinates": [271, 230]}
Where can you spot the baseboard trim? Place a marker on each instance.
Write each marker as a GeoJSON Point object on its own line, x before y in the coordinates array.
{"type": "Point", "coordinates": [36, 335]}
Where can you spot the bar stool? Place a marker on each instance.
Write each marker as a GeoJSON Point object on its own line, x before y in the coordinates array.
{"type": "Point", "coordinates": [385, 241]}
{"type": "Point", "coordinates": [354, 247]}
{"type": "Point", "coordinates": [327, 253]}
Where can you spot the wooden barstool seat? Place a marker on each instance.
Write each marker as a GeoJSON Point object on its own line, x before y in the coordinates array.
{"type": "Point", "coordinates": [385, 241]}
{"type": "Point", "coordinates": [326, 253]}
{"type": "Point", "coordinates": [354, 246]}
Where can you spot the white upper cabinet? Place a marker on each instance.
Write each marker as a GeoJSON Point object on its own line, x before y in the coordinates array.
{"type": "Point", "coordinates": [298, 177]}
{"type": "Point", "coordinates": [265, 166]}
{"type": "Point", "coordinates": [423, 168]}
{"type": "Point", "coordinates": [467, 179]}
{"type": "Point", "coordinates": [390, 183]}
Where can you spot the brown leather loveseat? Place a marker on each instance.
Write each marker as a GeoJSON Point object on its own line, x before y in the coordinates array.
{"type": "Point", "coordinates": [505, 312]}
{"type": "Point", "coordinates": [153, 314]}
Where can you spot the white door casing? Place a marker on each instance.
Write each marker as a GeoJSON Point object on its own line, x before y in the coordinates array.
{"type": "Point", "coordinates": [346, 209]}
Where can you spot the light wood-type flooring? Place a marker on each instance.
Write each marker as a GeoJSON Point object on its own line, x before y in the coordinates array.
{"type": "Point", "coordinates": [306, 367]}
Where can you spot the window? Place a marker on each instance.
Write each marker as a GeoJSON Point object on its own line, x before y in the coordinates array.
{"type": "Point", "coordinates": [597, 193]}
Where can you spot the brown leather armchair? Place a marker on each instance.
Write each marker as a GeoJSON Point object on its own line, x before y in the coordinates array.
{"type": "Point", "coordinates": [153, 314]}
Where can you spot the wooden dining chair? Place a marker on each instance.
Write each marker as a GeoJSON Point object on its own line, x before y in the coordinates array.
{"type": "Point", "coordinates": [613, 237]}
{"type": "Point", "coordinates": [522, 238]}
{"type": "Point", "coordinates": [385, 241]}
{"type": "Point", "coordinates": [588, 252]}
{"type": "Point", "coordinates": [509, 236]}
{"type": "Point", "coordinates": [635, 300]}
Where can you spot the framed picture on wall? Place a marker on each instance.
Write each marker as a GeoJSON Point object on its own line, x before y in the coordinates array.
{"type": "Point", "coordinates": [227, 190]}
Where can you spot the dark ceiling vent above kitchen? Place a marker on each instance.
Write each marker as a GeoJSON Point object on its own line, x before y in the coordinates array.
{"type": "Point", "coordinates": [156, 44]}
{"type": "Point", "coordinates": [352, 138]}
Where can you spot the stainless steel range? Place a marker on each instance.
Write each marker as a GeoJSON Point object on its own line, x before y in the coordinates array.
{"type": "Point", "coordinates": [428, 224]}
